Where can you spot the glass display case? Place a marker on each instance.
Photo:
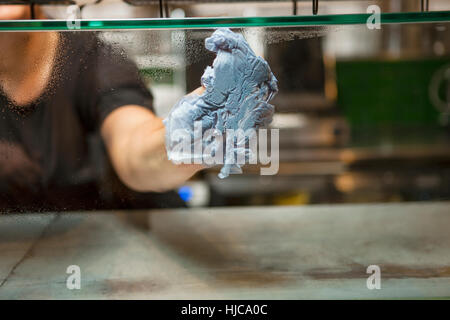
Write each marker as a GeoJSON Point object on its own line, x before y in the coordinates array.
{"type": "Point", "coordinates": [362, 115]}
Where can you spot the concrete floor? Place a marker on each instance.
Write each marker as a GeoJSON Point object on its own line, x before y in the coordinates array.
{"type": "Point", "coordinates": [311, 252]}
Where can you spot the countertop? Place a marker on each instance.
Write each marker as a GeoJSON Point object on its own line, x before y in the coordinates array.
{"type": "Point", "coordinates": [305, 252]}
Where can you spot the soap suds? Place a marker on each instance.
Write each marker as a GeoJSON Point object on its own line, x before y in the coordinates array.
{"type": "Point", "coordinates": [239, 87]}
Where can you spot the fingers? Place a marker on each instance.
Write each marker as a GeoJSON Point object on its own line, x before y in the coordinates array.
{"type": "Point", "coordinates": [199, 91]}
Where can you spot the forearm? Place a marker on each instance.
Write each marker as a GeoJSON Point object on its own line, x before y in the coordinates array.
{"type": "Point", "coordinates": [148, 168]}
{"type": "Point", "coordinates": [135, 141]}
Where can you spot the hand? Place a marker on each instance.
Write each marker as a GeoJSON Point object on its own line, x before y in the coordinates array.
{"type": "Point", "coordinates": [199, 91]}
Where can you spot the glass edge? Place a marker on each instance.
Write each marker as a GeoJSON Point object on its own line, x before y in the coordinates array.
{"type": "Point", "coordinates": [232, 22]}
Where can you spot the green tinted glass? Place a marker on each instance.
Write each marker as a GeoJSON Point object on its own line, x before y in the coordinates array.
{"type": "Point", "coordinates": [185, 23]}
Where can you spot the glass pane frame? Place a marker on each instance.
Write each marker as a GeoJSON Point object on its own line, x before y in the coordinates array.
{"type": "Point", "coordinates": [232, 22]}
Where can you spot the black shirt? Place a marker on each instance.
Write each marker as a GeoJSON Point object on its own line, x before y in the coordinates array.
{"type": "Point", "coordinates": [51, 153]}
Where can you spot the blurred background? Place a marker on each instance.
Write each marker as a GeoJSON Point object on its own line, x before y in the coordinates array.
{"type": "Point", "coordinates": [364, 115]}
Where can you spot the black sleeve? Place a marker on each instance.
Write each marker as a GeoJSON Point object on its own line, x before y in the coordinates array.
{"type": "Point", "coordinates": [107, 81]}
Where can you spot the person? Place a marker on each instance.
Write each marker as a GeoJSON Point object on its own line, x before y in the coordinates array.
{"type": "Point", "coordinates": [77, 127]}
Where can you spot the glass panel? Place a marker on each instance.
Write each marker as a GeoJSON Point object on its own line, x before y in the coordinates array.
{"type": "Point", "coordinates": [363, 114]}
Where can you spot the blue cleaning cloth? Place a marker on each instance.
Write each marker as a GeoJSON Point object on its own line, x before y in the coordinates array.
{"type": "Point", "coordinates": [239, 86]}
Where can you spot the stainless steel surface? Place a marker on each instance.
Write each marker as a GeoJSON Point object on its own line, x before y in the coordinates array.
{"type": "Point", "coordinates": [264, 252]}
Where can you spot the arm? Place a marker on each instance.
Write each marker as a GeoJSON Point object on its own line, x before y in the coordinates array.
{"type": "Point", "coordinates": [134, 138]}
